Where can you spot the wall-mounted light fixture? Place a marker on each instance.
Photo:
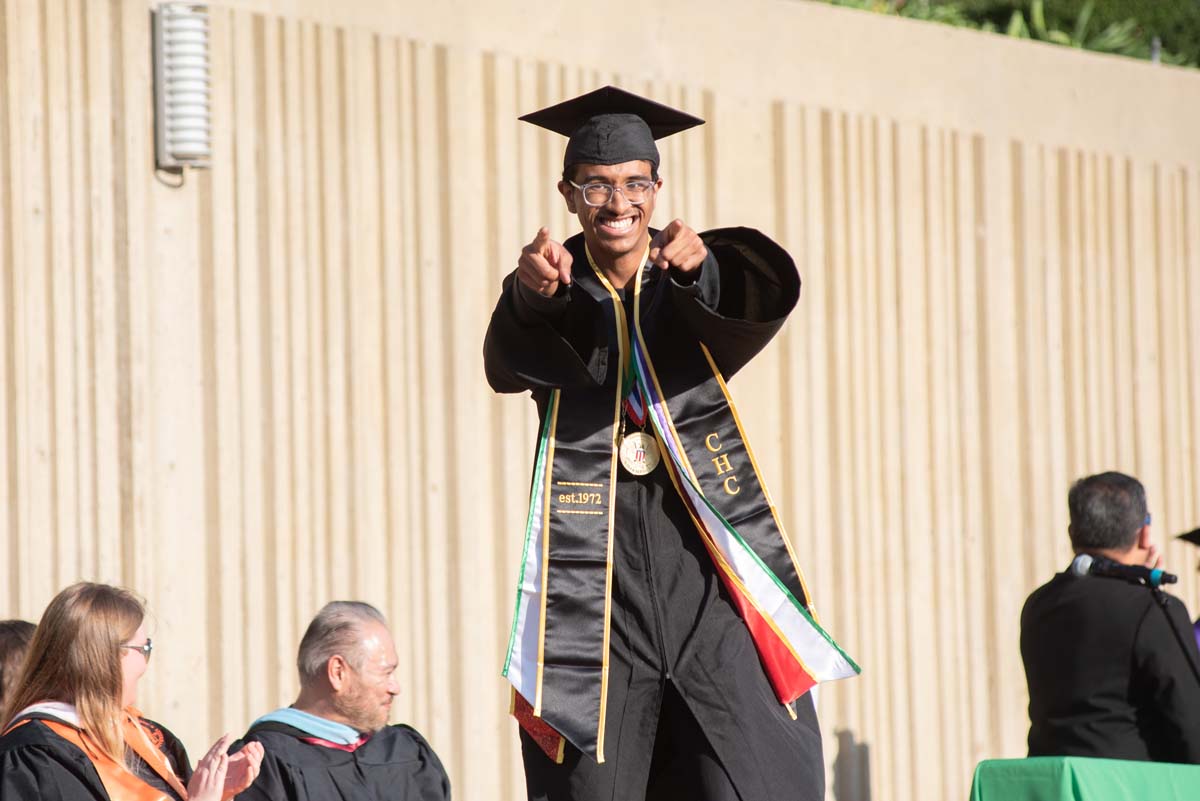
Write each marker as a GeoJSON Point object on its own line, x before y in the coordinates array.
{"type": "Point", "coordinates": [182, 106]}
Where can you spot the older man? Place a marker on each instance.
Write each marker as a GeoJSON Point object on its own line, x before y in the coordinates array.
{"type": "Point", "coordinates": [334, 741]}
{"type": "Point", "coordinates": [1112, 667]}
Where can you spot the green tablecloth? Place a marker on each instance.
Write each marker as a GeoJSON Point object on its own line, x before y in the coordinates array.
{"type": "Point", "coordinates": [1081, 779]}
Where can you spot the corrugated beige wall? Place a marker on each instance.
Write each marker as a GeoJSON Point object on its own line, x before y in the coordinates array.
{"type": "Point", "coordinates": [262, 389]}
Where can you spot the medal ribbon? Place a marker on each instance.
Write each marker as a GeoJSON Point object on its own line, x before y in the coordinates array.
{"type": "Point", "coordinates": [635, 407]}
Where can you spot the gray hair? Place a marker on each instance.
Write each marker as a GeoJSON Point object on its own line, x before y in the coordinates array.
{"type": "Point", "coordinates": [335, 631]}
{"type": "Point", "coordinates": [1107, 511]}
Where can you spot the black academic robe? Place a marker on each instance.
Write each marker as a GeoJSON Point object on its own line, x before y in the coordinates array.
{"type": "Point", "coordinates": [675, 632]}
{"type": "Point", "coordinates": [37, 763]}
{"type": "Point", "coordinates": [395, 764]}
{"type": "Point", "coordinates": [1113, 671]}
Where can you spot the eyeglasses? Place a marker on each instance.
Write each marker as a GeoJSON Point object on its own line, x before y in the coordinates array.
{"type": "Point", "coordinates": [145, 648]}
{"type": "Point", "coordinates": [598, 194]}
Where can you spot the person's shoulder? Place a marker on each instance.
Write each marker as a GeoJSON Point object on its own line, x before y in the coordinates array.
{"type": "Point", "coordinates": [1068, 585]}
{"type": "Point", "coordinates": [1173, 602]}
{"type": "Point", "coordinates": [1173, 606]}
{"type": "Point", "coordinates": [1090, 595]}
{"type": "Point", "coordinates": [30, 733]}
{"type": "Point", "coordinates": [404, 749]}
{"type": "Point", "coordinates": [272, 735]}
{"type": "Point", "coordinates": [19, 736]}
{"type": "Point", "coordinates": [1125, 593]}
{"type": "Point", "coordinates": [403, 739]}
{"type": "Point", "coordinates": [32, 752]}
{"type": "Point", "coordinates": [745, 241]}
{"type": "Point", "coordinates": [575, 246]}
{"type": "Point", "coordinates": [1052, 587]}
{"type": "Point", "coordinates": [402, 730]}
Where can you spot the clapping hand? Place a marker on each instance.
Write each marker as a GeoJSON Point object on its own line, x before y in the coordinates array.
{"type": "Point", "coordinates": [243, 770]}
{"type": "Point", "coordinates": [208, 781]}
{"type": "Point", "coordinates": [219, 776]}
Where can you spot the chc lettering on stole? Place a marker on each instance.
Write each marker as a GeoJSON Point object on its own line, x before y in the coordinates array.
{"type": "Point", "coordinates": [721, 462]}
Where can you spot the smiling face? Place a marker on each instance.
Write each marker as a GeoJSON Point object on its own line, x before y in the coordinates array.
{"type": "Point", "coordinates": [365, 701]}
{"type": "Point", "coordinates": [617, 229]}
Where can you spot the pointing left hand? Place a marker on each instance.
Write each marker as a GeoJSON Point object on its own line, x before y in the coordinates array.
{"type": "Point", "coordinates": [677, 246]}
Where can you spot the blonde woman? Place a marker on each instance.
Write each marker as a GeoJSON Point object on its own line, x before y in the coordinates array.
{"type": "Point", "coordinates": [72, 732]}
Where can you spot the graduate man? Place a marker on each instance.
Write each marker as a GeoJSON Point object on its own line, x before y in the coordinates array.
{"type": "Point", "coordinates": [334, 741]}
{"type": "Point", "coordinates": [663, 641]}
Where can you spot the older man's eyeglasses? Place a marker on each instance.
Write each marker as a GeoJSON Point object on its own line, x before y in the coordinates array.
{"type": "Point", "coordinates": [146, 648]}
{"type": "Point", "coordinates": [598, 194]}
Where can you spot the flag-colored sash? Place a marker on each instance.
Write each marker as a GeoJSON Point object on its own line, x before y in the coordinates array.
{"type": "Point", "coordinates": [558, 650]}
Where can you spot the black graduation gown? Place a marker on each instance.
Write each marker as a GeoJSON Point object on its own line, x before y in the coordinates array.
{"type": "Point", "coordinates": [675, 632]}
{"type": "Point", "coordinates": [37, 763]}
{"type": "Point", "coordinates": [395, 764]}
{"type": "Point", "coordinates": [1113, 672]}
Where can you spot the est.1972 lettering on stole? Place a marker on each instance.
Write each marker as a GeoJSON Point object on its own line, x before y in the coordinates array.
{"type": "Point", "coordinates": [589, 498]}
{"type": "Point", "coordinates": [579, 498]}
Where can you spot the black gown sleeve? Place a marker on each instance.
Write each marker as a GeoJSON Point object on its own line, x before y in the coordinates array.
{"type": "Point", "coordinates": [1169, 669]}
{"type": "Point", "coordinates": [747, 286]}
{"type": "Point", "coordinates": [734, 303]}
{"type": "Point", "coordinates": [430, 777]}
{"type": "Point", "coordinates": [35, 772]}
{"type": "Point", "coordinates": [272, 781]}
{"type": "Point", "coordinates": [532, 343]}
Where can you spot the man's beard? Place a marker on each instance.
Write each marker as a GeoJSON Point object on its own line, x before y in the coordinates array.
{"type": "Point", "coordinates": [363, 711]}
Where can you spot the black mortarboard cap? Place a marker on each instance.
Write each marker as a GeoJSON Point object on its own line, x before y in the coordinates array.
{"type": "Point", "coordinates": [1192, 536]}
{"type": "Point", "coordinates": [611, 126]}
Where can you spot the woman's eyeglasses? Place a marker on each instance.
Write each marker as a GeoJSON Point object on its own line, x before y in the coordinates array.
{"type": "Point", "coordinates": [146, 648]}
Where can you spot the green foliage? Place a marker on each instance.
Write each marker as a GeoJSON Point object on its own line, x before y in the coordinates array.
{"type": "Point", "coordinates": [1122, 27]}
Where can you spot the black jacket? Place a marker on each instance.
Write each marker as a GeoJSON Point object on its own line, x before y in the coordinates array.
{"type": "Point", "coordinates": [396, 764]}
{"type": "Point", "coordinates": [1113, 671]}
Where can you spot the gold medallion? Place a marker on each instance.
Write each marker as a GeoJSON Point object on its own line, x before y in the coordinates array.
{"type": "Point", "coordinates": [639, 453]}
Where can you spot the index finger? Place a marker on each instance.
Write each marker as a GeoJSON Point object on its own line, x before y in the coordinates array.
{"type": "Point", "coordinates": [670, 232]}
{"type": "Point", "coordinates": [662, 241]}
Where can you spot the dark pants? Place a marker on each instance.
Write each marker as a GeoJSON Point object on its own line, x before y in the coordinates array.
{"type": "Point", "coordinates": [681, 765]}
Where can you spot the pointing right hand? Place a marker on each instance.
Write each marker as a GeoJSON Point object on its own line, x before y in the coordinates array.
{"type": "Point", "coordinates": [544, 264]}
